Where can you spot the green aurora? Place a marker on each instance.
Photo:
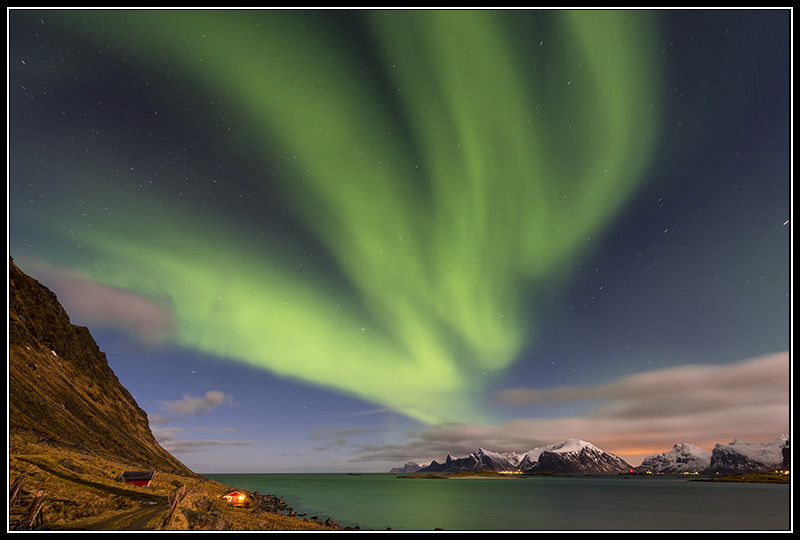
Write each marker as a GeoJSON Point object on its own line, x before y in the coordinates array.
{"type": "Point", "coordinates": [452, 186]}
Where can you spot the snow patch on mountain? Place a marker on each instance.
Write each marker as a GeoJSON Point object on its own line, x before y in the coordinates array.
{"type": "Point", "coordinates": [570, 445]}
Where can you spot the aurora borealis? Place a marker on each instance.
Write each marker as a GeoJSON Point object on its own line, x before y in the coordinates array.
{"type": "Point", "coordinates": [385, 204]}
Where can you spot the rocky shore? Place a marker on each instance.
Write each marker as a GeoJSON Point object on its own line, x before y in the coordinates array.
{"type": "Point", "coordinates": [265, 512]}
{"type": "Point", "coordinates": [276, 505]}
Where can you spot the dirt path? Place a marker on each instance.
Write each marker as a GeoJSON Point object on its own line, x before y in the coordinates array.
{"type": "Point", "coordinates": [75, 479]}
{"type": "Point", "coordinates": [146, 516]}
{"type": "Point", "coordinates": [136, 519]}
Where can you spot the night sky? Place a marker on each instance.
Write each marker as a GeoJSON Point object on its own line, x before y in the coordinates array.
{"type": "Point", "coordinates": [343, 240]}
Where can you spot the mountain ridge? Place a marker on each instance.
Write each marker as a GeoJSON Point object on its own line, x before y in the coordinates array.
{"type": "Point", "coordinates": [570, 456]}
{"type": "Point", "coordinates": [736, 457]}
{"type": "Point", "coordinates": [574, 456]}
{"type": "Point", "coordinates": [63, 393]}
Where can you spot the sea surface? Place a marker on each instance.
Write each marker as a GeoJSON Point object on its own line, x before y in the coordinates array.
{"type": "Point", "coordinates": [535, 503]}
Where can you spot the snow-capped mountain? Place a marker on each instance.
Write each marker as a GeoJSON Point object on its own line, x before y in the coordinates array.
{"type": "Point", "coordinates": [571, 456]}
{"type": "Point", "coordinates": [574, 456]}
{"type": "Point", "coordinates": [482, 460]}
{"type": "Point", "coordinates": [570, 445]}
{"type": "Point", "coordinates": [683, 458]}
{"type": "Point", "coordinates": [408, 468]}
{"type": "Point", "coordinates": [736, 457]}
{"type": "Point", "coordinates": [742, 456]}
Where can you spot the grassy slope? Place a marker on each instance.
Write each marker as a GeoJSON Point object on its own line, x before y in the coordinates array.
{"type": "Point", "coordinates": [87, 496]}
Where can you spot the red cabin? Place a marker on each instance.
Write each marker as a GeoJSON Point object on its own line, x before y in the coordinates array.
{"type": "Point", "coordinates": [138, 478]}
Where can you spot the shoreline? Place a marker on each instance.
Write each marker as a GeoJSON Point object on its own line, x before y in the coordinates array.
{"type": "Point", "coordinates": [470, 475]}
{"type": "Point", "coordinates": [750, 478]}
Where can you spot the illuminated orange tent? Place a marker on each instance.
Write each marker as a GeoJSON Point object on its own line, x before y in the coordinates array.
{"type": "Point", "coordinates": [237, 498]}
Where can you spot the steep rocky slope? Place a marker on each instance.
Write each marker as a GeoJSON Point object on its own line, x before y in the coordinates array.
{"type": "Point", "coordinates": [62, 391]}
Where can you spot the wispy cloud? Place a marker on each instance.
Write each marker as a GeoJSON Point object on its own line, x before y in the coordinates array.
{"type": "Point", "coordinates": [634, 416]}
{"type": "Point", "coordinates": [331, 437]}
{"type": "Point", "coordinates": [326, 432]}
{"type": "Point", "coordinates": [171, 437]}
{"type": "Point", "coordinates": [98, 305]}
{"type": "Point", "coordinates": [683, 390]}
{"type": "Point", "coordinates": [369, 412]}
{"type": "Point", "coordinates": [166, 437]}
{"type": "Point", "coordinates": [198, 405]}
{"type": "Point", "coordinates": [185, 447]}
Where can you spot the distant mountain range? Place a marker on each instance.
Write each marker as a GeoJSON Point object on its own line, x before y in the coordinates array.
{"type": "Point", "coordinates": [575, 456]}
{"type": "Point", "coordinates": [570, 456]}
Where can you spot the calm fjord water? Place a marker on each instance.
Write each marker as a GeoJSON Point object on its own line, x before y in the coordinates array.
{"type": "Point", "coordinates": [378, 501]}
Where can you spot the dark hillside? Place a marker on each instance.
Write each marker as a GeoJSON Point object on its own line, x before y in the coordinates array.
{"type": "Point", "coordinates": [62, 391]}
{"type": "Point", "coordinates": [73, 429]}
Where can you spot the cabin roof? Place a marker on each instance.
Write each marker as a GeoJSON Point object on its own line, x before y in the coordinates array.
{"type": "Point", "coordinates": [138, 475]}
